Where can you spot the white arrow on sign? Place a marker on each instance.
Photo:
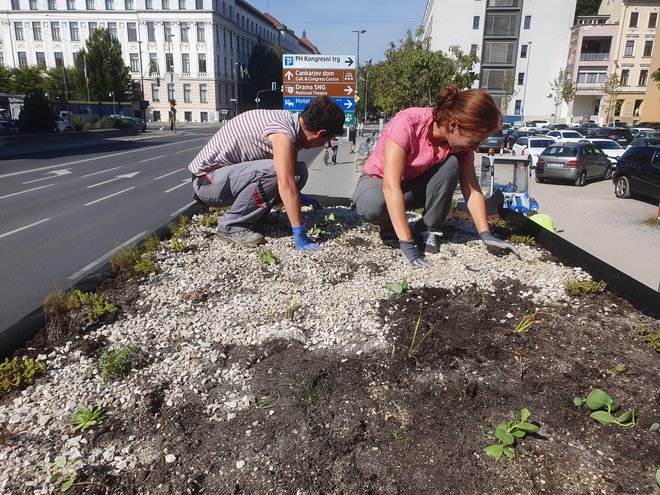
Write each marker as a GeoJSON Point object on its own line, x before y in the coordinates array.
{"type": "Point", "coordinates": [117, 177]}
{"type": "Point", "coordinates": [348, 90]}
{"type": "Point", "coordinates": [57, 173]}
{"type": "Point", "coordinates": [288, 75]}
{"type": "Point", "coordinates": [348, 104]}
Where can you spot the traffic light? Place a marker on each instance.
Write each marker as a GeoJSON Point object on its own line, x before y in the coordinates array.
{"type": "Point", "coordinates": [173, 106]}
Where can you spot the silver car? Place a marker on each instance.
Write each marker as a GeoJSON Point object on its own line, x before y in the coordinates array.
{"type": "Point", "coordinates": [576, 162]}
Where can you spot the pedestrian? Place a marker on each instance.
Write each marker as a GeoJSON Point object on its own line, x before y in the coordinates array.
{"type": "Point", "coordinates": [335, 149]}
{"type": "Point", "coordinates": [422, 154]}
{"type": "Point", "coordinates": [361, 127]}
{"type": "Point", "coordinates": [250, 164]}
{"type": "Point", "coordinates": [171, 121]}
{"type": "Point", "coordinates": [352, 133]}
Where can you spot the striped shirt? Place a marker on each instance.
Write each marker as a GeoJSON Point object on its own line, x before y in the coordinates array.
{"type": "Point", "coordinates": [244, 139]}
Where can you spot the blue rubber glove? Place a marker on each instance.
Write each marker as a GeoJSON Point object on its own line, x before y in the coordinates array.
{"type": "Point", "coordinates": [495, 244]}
{"type": "Point", "coordinates": [307, 200]}
{"type": "Point", "coordinates": [303, 242]}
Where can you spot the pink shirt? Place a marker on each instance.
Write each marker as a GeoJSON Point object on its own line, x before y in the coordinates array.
{"type": "Point", "coordinates": [411, 129]}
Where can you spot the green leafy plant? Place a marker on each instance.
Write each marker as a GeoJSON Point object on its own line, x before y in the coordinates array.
{"type": "Point", "coordinates": [181, 229]}
{"type": "Point", "coordinates": [602, 406]}
{"type": "Point", "coordinates": [179, 245]}
{"type": "Point", "coordinates": [266, 257]}
{"type": "Point", "coordinates": [314, 230]}
{"type": "Point", "coordinates": [653, 338]}
{"type": "Point", "coordinates": [576, 289]}
{"type": "Point", "coordinates": [151, 243]}
{"type": "Point", "coordinates": [400, 287]}
{"type": "Point", "coordinates": [208, 221]}
{"type": "Point", "coordinates": [96, 305]}
{"type": "Point", "coordinates": [522, 239]}
{"type": "Point", "coordinates": [145, 265]}
{"type": "Point", "coordinates": [115, 363]}
{"type": "Point", "coordinates": [414, 343]}
{"type": "Point", "coordinates": [508, 433]}
{"type": "Point", "coordinates": [330, 218]}
{"type": "Point", "coordinates": [20, 373]}
{"type": "Point", "coordinates": [123, 261]}
{"type": "Point", "coordinates": [655, 427]}
{"type": "Point", "coordinates": [86, 418]}
{"type": "Point", "coordinates": [64, 467]}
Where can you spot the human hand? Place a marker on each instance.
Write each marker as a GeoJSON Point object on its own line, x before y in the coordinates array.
{"type": "Point", "coordinates": [307, 200]}
{"type": "Point", "coordinates": [495, 244]}
{"type": "Point", "coordinates": [302, 241]}
{"type": "Point", "coordinates": [412, 255]}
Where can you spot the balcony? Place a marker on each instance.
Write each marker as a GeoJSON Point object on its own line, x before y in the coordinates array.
{"type": "Point", "coordinates": [591, 57]}
{"type": "Point", "coordinates": [589, 87]}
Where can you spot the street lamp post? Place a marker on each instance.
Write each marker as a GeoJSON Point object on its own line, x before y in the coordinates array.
{"type": "Point", "coordinates": [114, 110]}
{"type": "Point", "coordinates": [235, 89]}
{"type": "Point", "coordinates": [357, 61]}
{"type": "Point", "coordinates": [522, 110]}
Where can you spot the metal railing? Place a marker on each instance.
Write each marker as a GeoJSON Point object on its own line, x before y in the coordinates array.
{"type": "Point", "coordinates": [586, 57]}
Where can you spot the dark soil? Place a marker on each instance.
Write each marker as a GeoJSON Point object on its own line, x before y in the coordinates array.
{"type": "Point", "coordinates": [404, 422]}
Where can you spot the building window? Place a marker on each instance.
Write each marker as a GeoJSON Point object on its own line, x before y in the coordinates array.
{"type": "Point", "coordinates": [156, 115]}
{"type": "Point", "coordinates": [182, 4]}
{"type": "Point", "coordinates": [199, 4]}
{"type": "Point", "coordinates": [153, 64]}
{"type": "Point", "coordinates": [129, 5]}
{"type": "Point", "coordinates": [473, 49]}
{"type": "Point", "coordinates": [170, 92]}
{"type": "Point", "coordinates": [630, 48]}
{"type": "Point", "coordinates": [36, 31]}
{"type": "Point", "coordinates": [55, 31]}
{"type": "Point", "coordinates": [22, 60]}
{"type": "Point", "coordinates": [653, 19]}
{"type": "Point", "coordinates": [203, 116]}
{"type": "Point", "coordinates": [528, 22]}
{"type": "Point", "coordinates": [187, 116]}
{"type": "Point", "coordinates": [112, 29]}
{"type": "Point", "coordinates": [151, 31]}
{"type": "Point", "coordinates": [18, 31]}
{"type": "Point", "coordinates": [185, 63]}
{"type": "Point", "coordinates": [33, 5]}
{"type": "Point", "coordinates": [475, 22]}
{"type": "Point", "coordinates": [201, 33]}
{"type": "Point", "coordinates": [74, 31]}
{"type": "Point", "coordinates": [16, 4]}
{"type": "Point", "coordinates": [41, 59]}
{"type": "Point", "coordinates": [169, 62]}
{"type": "Point", "coordinates": [201, 63]}
{"type": "Point", "coordinates": [643, 77]}
{"type": "Point", "coordinates": [187, 93]}
{"type": "Point", "coordinates": [498, 52]}
{"type": "Point", "coordinates": [634, 19]}
{"type": "Point", "coordinates": [517, 108]}
{"type": "Point", "coordinates": [109, 4]}
{"type": "Point", "coordinates": [501, 24]}
{"type": "Point", "coordinates": [648, 48]}
{"type": "Point", "coordinates": [135, 62]}
{"type": "Point", "coordinates": [90, 4]}
{"type": "Point", "coordinates": [184, 32]}
{"type": "Point", "coordinates": [70, 4]}
{"type": "Point", "coordinates": [165, 4]}
{"type": "Point", "coordinates": [637, 108]}
{"type": "Point", "coordinates": [203, 93]}
{"type": "Point", "coordinates": [155, 92]}
{"type": "Point", "coordinates": [131, 29]}
{"type": "Point", "coordinates": [59, 59]}
{"type": "Point", "coordinates": [523, 51]}
{"type": "Point", "coordinates": [52, 5]}
{"type": "Point", "coordinates": [625, 77]}
{"type": "Point", "coordinates": [92, 27]}
{"type": "Point", "coordinates": [617, 107]}
{"type": "Point", "coordinates": [167, 31]}
{"type": "Point", "coordinates": [521, 78]}
{"type": "Point", "coordinates": [149, 4]}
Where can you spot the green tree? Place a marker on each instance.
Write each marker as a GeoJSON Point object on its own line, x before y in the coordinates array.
{"type": "Point", "coordinates": [586, 7]}
{"type": "Point", "coordinates": [5, 77]}
{"type": "Point", "coordinates": [563, 89]}
{"type": "Point", "coordinates": [35, 117]}
{"type": "Point", "coordinates": [105, 69]}
{"type": "Point", "coordinates": [26, 80]}
{"type": "Point", "coordinates": [264, 68]}
{"type": "Point", "coordinates": [656, 76]}
{"type": "Point", "coordinates": [53, 83]}
{"type": "Point", "coordinates": [412, 74]}
{"type": "Point", "coordinates": [611, 91]}
{"type": "Point", "coordinates": [509, 85]}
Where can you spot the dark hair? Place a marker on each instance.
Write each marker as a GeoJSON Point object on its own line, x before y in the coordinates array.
{"type": "Point", "coordinates": [473, 109]}
{"type": "Point", "coordinates": [323, 113]}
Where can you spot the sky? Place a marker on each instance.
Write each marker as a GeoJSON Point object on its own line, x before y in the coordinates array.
{"type": "Point", "coordinates": [330, 24]}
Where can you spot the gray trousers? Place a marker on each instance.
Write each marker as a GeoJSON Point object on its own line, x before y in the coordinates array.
{"type": "Point", "coordinates": [250, 188]}
{"type": "Point", "coordinates": [433, 190]}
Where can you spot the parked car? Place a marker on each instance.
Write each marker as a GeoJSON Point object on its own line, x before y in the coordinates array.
{"type": "Point", "coordinates": [62, 125]}
{"type": "Point", "coordinates": [617, 123]}
{"type": "Point", "coordinates": [577, 162]}
{"type": "Point", "coordinates": [644, 142]}
{"type": "Point", "coordinates": [612, 149]}
{"type": "Point", "coordinates": [571, 136]}
{"type": "Point", "coordinates": [531, 146]}
{"type": "Point", "coordinates": [516, 134]}
{"type": "Point", "coordinates": [495, 141]}
{"type": "Point", "coordinates": [638, 172]}
{"type": "Point", "coordinates": [535, 124]}
{"type": "Point", "coordinates": [559, 127]}
{"type": "Point", "coordinates": [642, 131]}
{"type": "Point", "coordinates": [651, 125]}
{"type": "Point", "coordinates": [138, 123]}
{"type": "Point", "coordinates": [621, 136]}
{"type": "Point", "coordinates": [8, 128]}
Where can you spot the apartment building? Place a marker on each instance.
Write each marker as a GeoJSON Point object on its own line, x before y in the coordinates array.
{"type": "Point", "coordinates": [523, 41]}
{"type": "Point", "coordinates": [193, 51]}
{"type": "Point", "coordinates": [650, 111]}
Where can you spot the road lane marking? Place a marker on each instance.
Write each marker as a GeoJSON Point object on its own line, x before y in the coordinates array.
{"type": "Point", "coordinates": [57, 173]}
{"type": "Point", "coordinates": [171, 173]}
{"type": "Point", "coordinates": [100, 260]}
{"type": "Point", "coordinates": [67, 164]}
{"type": "Point", "coordinates": [102, 171]}
{"type": "Point", "coordinates": [26, 191]}
{"type": "Point", "coordinates": [117, 177]}
{"type": "Point", "coordinates": [181, 210]}
{"type": "Point", "coordinates": [23, 228]}
{"type": "Point", "coordinates": [109, 196]}
{"type": "Point", "coordinates": [185, 181]}
{"type": "Point", "coordinates": [187, 149]}
{"type": "Point", "coordinates": [152, 158]}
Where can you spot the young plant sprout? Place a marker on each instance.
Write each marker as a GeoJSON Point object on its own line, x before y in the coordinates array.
{"type": "Point", "coordinates": [602, 406]}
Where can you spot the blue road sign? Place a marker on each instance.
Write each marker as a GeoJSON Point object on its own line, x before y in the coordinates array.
{"type": "Point", "coordinates": [298, 103]}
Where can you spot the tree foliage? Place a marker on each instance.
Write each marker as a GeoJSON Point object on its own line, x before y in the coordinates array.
{"type": "Point", "coordinates": [656, 76]}
{"type": "Point", "coordinates": [562, 89]}
{"type": "Point", "coordinates": [412, 74]}
{"type": "Point", "coordinates": [36, 117]}
{"type": "Point", "coordinates": [509, 85]}
{"type": "Point", "coordinates": [26, 80]}
{"type": "Point", "coordinates": [264, 68]}
{"type": "Point", "coordinates": [611, 90]}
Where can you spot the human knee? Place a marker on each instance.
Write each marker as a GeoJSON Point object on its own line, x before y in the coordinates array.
{"type": "Point", "coordinates": [372, 209]}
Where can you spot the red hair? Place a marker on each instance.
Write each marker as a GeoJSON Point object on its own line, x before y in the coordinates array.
{"type": "Point", "coordinates": [473, 109]}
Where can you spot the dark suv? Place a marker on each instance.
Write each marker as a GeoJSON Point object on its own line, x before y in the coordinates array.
{"type": "Point", "coordinates": [621, 136]}
{"type": "Point", "coordinates": [638, 171]}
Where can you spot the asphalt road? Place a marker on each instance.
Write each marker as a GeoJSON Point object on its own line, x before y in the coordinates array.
{"type": "Point", "coordinates": [63, 213]}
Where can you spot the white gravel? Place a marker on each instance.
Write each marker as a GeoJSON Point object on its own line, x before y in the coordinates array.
{"type": "Point", "coordinates": [334, 294]}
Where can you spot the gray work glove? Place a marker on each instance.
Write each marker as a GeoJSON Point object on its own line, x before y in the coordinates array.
{"type": "Point", "coordinates": [412, 255]}
{"type": "Point", "coordinates": [496, 245]}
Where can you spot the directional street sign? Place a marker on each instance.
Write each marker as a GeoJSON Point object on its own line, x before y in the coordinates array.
{"type": "Point", "coordinates": [308, 76]}
{"type": "Point", "coordinates": [349, 119]}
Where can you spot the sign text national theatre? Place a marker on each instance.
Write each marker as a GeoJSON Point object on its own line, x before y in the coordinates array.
{"type": "Point", "coordinates": [307, 76]}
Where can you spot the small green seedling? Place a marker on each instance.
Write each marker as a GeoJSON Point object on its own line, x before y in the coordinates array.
{"type": "Point", "coordinates": [576, 289]}
{"type": "Point", "coordinates": [400, 288]}
{"type": "Point", "coordinates": [330, 218]}
{"type": "Point", "coordinates": [62, 467]}
{"type": "Point", "coordinates": [507, 434]}
{"type": "Point", "coordinates": [400, 437]}
{"type": "Point", "coordinates": [115, 363]}
{"type": "Point", "coordinates": [86, 418]}
{"type": "Point", "coordinates": [314, 230]}
{"type": "Point", "coordinates": [655, 427]}
{"type": "Point", "coordinates": [602, 406]}
{"type": "Point", "coordinates": [522, 239]}
{"type": "Point", "coordinates": [266, 257]}
{"type": "Point", "coordinates": [414, 343]}
{"type": "Point", "coordinates": [528, 320]}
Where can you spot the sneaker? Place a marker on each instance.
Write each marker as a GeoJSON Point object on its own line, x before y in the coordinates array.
{"type": "Point", "coordinates": [429, 241]}
{"type": "Point", "coordinates": [242, 237]}
{"type": "Point", "coordinates": [389, 237]}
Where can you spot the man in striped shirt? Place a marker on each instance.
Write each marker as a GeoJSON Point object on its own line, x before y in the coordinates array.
{"type": "Point", "coordinates": [251, 164]}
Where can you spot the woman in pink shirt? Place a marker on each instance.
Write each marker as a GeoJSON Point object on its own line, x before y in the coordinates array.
{"type": "Point", "coordinates": [422, 154]}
